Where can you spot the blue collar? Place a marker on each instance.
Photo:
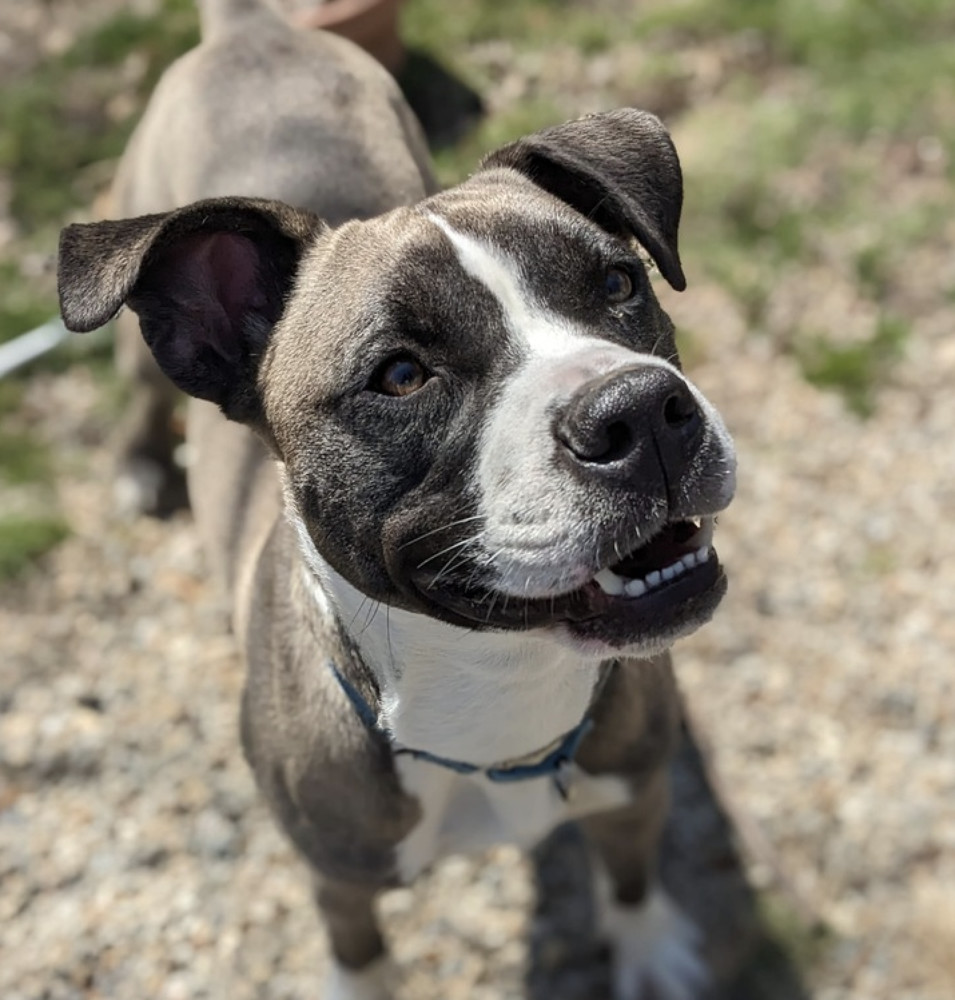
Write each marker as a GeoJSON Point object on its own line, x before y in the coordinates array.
{"type": "Point", "coordinates": [553, 765]}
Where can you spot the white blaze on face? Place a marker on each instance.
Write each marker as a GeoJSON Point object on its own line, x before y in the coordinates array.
{"type": "Point", "coordinates": [538, 332]}
{"type": "Point", "coordinates": [528, 506]}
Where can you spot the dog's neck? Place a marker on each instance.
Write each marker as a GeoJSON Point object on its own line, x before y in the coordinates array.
{"type": "Point", "coordinates": [480, 697]}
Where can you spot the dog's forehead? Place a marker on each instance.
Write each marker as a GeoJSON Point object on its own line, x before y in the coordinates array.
{"type": "Point", "coordinates": [375, 286]}
{"type": "Point", "coordinates": [502, 211]}
{"type": "Point", "coordinates": [456, 272]}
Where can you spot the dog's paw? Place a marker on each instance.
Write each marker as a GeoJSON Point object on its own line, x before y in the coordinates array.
{"type": "Point", "coordinates": [371, 983]}
{"type": "Point", "coordinates": [656, 951]}
{"type": "Point", "coordinates": [144, 486]}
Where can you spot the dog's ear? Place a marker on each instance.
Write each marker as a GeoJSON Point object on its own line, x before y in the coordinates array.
{"type": "Point", "coordinates": [619, 168]}
{"type": "Point", "coordinates": [208, 282]}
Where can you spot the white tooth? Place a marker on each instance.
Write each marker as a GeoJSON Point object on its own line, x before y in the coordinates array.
{"type": "Point", "coordinates": [653, 579]}
{"type": "Point", "coordinates": [689, 560]}
{"type": "Point", "coordinates": [678, 568]}
{"type": "Point", "coordinates": [668, 572]}
{"type": "Point", "coordinates": [636, 588]}
{"type": "Point", "coordinates": [702, 554]}
{"type": "Point", "coordinates": [609, 582]}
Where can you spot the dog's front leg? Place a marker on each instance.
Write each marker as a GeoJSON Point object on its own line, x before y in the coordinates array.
{"type": "Point", "coordinates": [359, 967]}
{"type": "Point", "coordinates": [655, 948]}
{"type": "Point", "coordinates": [148, 481]}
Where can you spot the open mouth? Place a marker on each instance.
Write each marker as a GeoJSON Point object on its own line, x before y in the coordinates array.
{"type": "Point", "coordinates": [665, 587]}
{"type": "Point", "coordinates": [678, 548]}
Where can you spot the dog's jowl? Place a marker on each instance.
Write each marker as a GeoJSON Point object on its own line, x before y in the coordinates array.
{"type": "Point", "coordinates": [476, 509]}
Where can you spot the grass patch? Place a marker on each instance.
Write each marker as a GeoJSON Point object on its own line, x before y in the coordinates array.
{"type": "Point", "coordinates": [872, 267]}
{"type": "Point", "coordinates": [60, 123]}
{"type": "Point", "coordinates": [854, 370]}
{"type": "Point", "coordinates": [25, 302]}
{"type": "Point", "coordinates": [434, 25]}
{"type": "Point", "coordinates": [833, 38]}
{"type": "Point", "coordinates": [23, 459]}
{"type": "Point", "coordinates": [788, 951]}
{"type": "Point", "coordinates": [804, 943]}
{"type": "Point", "coordinates": [23, 540]}
{"type": "Point", "coordinates": [62, 119]}
{"type": "Point", "coordinates": [880, 64]}
{"type": "Point", "coordinates": [11, 395]}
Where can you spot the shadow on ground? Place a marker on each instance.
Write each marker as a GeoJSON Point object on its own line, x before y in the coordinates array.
{"type": "Point", "coordinates": [702, 867]}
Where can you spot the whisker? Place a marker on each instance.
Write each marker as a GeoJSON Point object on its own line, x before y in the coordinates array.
{"type": "Point", "coordinates": [458, 559]}
{"type": "Point", "coordinates": [359, 610]}
{"type": "Point", "coordinates": [375, 608]}
{"type": "Point", "coordinates": [456, 545]}
{"type": "Point", "coordinates": [454, 560]}
{"type": "Point", "coordinates": [391, 651]}
{"type": "Point", "coordinates": [443, 527]}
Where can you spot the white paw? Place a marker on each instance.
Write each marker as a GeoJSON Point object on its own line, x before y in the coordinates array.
{"type": "Point", "coordinates": [656, 951]}
{"type": "Point", "coordinates": [137, 489]}
{"type": "Point", "coordinates": [371, 983]}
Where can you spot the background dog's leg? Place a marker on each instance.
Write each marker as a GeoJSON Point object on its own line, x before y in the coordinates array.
{"type": "Point", "coordinates": [655, 949]}
{"type": "Point", "coordinates": [359, 968]}
{"type": "Point", "coordinates": [148, 480]}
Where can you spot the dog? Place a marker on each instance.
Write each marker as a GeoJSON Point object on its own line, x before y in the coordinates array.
{"type": "Point", "coordinates": [477, 507]}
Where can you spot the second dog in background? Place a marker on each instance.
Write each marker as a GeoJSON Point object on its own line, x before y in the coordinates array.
{"type": "Point", "coordinates": [263, 110]}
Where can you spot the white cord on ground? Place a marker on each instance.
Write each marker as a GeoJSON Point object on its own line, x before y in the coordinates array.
{"type": "Point", "coordinates": [31, 345]}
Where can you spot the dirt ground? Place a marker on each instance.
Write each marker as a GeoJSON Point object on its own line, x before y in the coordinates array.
{"type": "Point", "coordinates": [136, 861]}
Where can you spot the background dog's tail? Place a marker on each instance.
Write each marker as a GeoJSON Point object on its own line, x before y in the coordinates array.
{"type": "Point", "coordinates": [218, 16]}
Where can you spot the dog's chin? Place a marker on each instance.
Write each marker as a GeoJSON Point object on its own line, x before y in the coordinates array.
{"type": "Point", "coordinates": [639, 606]}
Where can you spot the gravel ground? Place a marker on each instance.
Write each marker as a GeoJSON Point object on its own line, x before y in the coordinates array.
{"type": "Point", "coordinates": [135, 857]}
{"type": "Point", "coordinates": [136, 861]}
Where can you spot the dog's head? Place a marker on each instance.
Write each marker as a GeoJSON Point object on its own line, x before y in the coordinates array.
{"type": "Point", "coordinates": [477, 400]}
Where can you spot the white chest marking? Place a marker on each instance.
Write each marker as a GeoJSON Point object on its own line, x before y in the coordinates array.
{"type": "Point", "coordinates": [467, 813]}
{"type": "Point", "coordinates": [480, 697]}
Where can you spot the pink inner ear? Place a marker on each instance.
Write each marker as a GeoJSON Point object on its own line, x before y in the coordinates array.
{"type": "Point", "coordinates": [227, 271]}
{"type": "Point", "coordinates": [214, 278]}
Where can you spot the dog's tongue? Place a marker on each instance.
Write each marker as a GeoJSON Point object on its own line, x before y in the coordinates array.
{"type": "Point", "coordinates": [665, 548]}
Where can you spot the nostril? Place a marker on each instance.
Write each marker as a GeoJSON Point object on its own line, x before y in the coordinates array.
{"type": "Point", "coordinates": [598, 445]}
{"type": "Point", "coordinates": [679, 410]}
{"type": "Point", "coordinates": [619, 442]}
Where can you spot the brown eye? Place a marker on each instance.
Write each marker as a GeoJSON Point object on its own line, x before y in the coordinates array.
{"type": "Point", "coordinates": [400, 377]}
{"type": "Point", "coordinates": [618, 285]}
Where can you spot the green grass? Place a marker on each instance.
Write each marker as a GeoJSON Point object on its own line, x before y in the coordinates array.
{"type": "Point", "coordinates": [785, 956]}
{"type": "Point", "coordinates": [854, 370]}
{"type": "Point", "coordinates": [442, 28]}
{"type": "Point", "coordinates": [60, 130]}
{"type": "Point", "coordinates": [23, 540]}
{"type": "Point", "coordinates": [60, 121]}
{"type": "Point", "coordinates": [25, 301]}
{"type": "Point", "coordinates": [833, 38]}
{"type": "Point", "coordinates": [23, 458]}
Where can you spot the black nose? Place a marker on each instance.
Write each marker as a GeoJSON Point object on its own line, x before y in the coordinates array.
{"type": "Point", "coordinates": [630, 425]}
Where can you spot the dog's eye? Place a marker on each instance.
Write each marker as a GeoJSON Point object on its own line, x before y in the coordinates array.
{"type": "Point", "coordinates": [618, 284]}
{"type": "Point", "coordinates": [399, 376]}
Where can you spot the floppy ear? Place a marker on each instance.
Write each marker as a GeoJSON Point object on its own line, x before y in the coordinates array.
{"type": "Point", "coordinates": [208, 282]}
{"type": "Point", "coordinates": [619, 168]}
